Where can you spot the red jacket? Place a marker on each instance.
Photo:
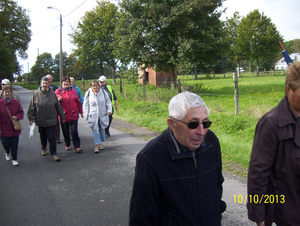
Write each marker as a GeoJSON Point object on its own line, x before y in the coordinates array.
{"type": "Point", "coordinates": [70, 103]}
{"type": "Point", "coordinates": [6, 125]}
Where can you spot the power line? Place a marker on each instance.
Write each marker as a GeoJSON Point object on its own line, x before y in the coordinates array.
{"type": "Point", "coordinates": [58, 20]}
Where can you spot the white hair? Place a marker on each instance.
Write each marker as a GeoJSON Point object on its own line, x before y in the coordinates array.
{"type": "Point", "coordinates": [182, 102]}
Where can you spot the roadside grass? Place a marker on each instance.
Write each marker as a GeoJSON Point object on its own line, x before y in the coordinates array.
{"type": "Point", "coordinates": [257, 95]}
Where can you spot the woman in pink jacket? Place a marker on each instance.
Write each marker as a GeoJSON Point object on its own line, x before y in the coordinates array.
{"type": "Point", "coordinates": [9, 136]}
{"type": "Point", "coordinates": [72, 108]}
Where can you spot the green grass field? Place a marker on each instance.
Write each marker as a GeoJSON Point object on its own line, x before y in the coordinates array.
{"type": "Point", "coordinates": [257, 95]}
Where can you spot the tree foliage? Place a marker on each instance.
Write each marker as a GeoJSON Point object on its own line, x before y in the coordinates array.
{"type": "Point", "coordinates": [257, 37]}
{"type": "Point", "coordinates": [94, 37]}
{"type": "Point", "coordinates": [14, 36]}
{"type": "Point", "coordinates": [162, 33]}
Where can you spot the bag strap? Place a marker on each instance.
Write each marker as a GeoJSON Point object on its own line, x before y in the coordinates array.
{"type": "Point", "coordinates": [8, 111]}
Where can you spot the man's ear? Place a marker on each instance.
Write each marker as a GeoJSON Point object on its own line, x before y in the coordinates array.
{"type": "Point", "coordinates": [288, 90]}
{"type": "Point", "coordinates": [171, 124]}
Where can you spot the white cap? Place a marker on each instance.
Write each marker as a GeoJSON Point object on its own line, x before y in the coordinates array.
{"type": "Point", "coordinates": [102, 78]}
{"type": "Point", "coordinates": [5, 81]}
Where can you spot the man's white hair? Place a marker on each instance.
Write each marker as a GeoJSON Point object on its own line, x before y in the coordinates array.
{"type": "Point", "coordinates": [182, 102]}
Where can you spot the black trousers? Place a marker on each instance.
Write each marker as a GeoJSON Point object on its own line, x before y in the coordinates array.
{"type": "Point", "coordinates": [48, 132]}
{"type": "Point", "coordinates": [10, 144]}
{"type": "Point", "coordinates": [107, 128]}
{"type": "Point", "coordinates": [66, 127]}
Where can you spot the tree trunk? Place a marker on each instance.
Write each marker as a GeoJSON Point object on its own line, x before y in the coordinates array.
{"type": "Point", "coordinates": [195, 72]}
{"type": "Point", "coordinates": [257, 64]}
{"type": "Point", "coordinates": [113, 74]}
{"type": "Point", "coordinates": [144, 85]}
{"type": "Point", "coordinates": [173, 80]}
{"type": "Point", "coordinates": [236, 93]}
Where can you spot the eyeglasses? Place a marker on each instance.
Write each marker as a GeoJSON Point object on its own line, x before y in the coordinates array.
{"type": "Point", "coordinates": [194, 125]}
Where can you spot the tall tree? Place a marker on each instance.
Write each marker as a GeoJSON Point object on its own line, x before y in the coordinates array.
{"type": "Point", "coordinates": [162, 33]}
{"type": "Point", "coordinates": [15, 33]}
{"type": "Point", "coordinates": [257, 37]}
{"type": "Point", "coordinates": [94, 37]}
{"type": "Point", "coordinates": [43, 65]}
{"type": "Point", "coordinates": [235, 51]}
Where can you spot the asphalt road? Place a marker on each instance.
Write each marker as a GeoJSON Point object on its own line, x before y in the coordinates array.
{"type": "Point", "coordinates": [82, 189]}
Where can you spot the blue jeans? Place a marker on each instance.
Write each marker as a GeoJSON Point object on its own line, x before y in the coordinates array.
{"type": "Point", "coordinates": [98, 134]}
{"type": "Point", "coordinates": [10, 144]}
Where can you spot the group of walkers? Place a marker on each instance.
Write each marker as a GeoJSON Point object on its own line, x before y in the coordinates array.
{"type": "Point", "coordinates": [50, 105]}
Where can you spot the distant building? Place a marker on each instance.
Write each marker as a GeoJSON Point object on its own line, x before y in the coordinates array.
{"type": "Point", "coordinates": [281, 64]}
{"type": "Point", "coordinates": [155, 78]}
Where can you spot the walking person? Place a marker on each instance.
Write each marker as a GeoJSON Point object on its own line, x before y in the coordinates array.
{"type": "Point", "coordinates": [54, 87]}
{"type": "Point", "coordinates": [96, 109]}
{"type": "Point", "coordinates": [274, 168]}
{"type": "Point", "coordinates": [5, 82]}
{"type": "Point", "coordinates": [112, 97]}
{"type": "Point", "coordinates": [78, 91]}
{"type": "Point", "coordinates": [43, 110]}
{"type": "Point", "coordinates": [72, 108]}
{"type": "Point", "coordinates": [10, 108]}
{"type": "Point", "coordinates": [178, 175]}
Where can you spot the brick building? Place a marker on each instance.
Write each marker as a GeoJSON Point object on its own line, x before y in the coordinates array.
{"type": "Point", "coordinates": [156, 78]}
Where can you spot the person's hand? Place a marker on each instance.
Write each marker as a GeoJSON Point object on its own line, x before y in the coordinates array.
{"type": "Point", "coordinates": [116, 107]}
{"type": "Point", "coordinates": [14, 117]}
{"type": "Point", "coordinates": [60, 98]}
{"type": "Point", "coordinates": [63, 121]}
{"type": "Point", "coordinates": [0, 132]}
{"type": "Point", "coordinates": [260, 223]}
{"type": "Point", "coordinates": [31, 122]}
{"type": "Point", "coordinates": [81, 115]}
{"type": "Point", "coordinates": [109, 113]}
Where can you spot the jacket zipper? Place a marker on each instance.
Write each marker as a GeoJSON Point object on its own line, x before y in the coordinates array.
{"type": "Point", "coordinates": [194, 158]}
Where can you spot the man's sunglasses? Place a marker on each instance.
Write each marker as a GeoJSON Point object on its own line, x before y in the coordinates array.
{"type": "Point", "coordinates": [194, 125]}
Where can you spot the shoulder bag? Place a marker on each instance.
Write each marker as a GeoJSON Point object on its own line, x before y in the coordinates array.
{"type": "Point", "coordinates": [16, 123]}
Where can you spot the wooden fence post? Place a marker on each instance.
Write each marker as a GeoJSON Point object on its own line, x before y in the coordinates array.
{"type": "Point", "coordinates": [236, 93]}
{"type": "Point", "coordinates": [121, 89]}
{"type": "Point", "coordinates": [83, 82]}
{"type": "Point", "coordinates": [179, 85]}
{"type": "Point", "coordinates": [144, 86]}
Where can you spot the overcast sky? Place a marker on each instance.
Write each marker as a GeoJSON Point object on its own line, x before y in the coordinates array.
{"type": "Point", "coordinates": [45, 22]}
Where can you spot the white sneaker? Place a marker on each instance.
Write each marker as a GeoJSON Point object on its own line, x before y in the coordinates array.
{"type": "Point", "coordinates": [7, 156]}
{"type": "Point", "coordinates": [15, 162]}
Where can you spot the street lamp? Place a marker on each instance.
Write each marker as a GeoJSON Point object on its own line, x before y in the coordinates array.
{"type": "Point", "coordinates": [60, 52]}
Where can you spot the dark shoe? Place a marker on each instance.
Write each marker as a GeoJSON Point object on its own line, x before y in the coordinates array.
{"type": "Point", "coordinates": [44, 152]}
{"type": "Point", "coordinates": [55, 158]}
{"type": "Point", "coordinates": [108, 133]}
{"type": "Point", "coordinates": [58, 141]}
{"type": "Point", "coordinates": [77, 150]}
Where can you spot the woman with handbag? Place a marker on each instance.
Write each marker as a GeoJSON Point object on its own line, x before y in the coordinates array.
{"type": "Point", "coordinates": [96, 109]}
{"type": "Point", "coordinates": [72, 107]}
{"type": "Point", "coordinates": [10, 109]}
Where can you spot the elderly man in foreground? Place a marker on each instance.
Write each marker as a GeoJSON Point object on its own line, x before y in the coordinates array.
{"type": "Point", "coordinates": [178, 176]}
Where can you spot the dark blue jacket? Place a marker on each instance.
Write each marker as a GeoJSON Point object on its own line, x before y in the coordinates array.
{"type": "Point", "coordinates": [171, 188]}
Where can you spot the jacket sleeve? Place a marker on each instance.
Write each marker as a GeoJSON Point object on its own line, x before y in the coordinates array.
{"type": "Point", "coordinates": [107, 101]}
{"type": "Point", "coordinates": [31, 109]}
{"type": "Point", "coordinates": [145, 194]}
{"type": "Point", "coordinates": [20, 112]}
{"type": "Point", "coordinates": [79, 105]}
{"type": "Point", "coordinates": [59, 110]}
{"type": "Point", "coordinates": [264, 150]}
{"type": "Point", "coordinates": [86, 105]}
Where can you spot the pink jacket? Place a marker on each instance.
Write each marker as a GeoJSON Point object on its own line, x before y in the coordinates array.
{"type": "Point", "coordinates": [70, 103]}
{"type": "Point", "coordinates": [6, 125]}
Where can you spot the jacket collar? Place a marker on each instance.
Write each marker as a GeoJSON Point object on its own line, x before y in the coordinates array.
{"type": "Point", "coordinates": [175, 149]}
{"type": "Point", "coordinates": [285, 115]}
{"type": "Point", "coordinates": [286, 118]}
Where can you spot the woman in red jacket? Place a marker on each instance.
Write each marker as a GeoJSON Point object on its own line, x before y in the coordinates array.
{"type": "Point", "coordinates": [9, 136]}
{"type": "Point", "coordinates": [72, 107]}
